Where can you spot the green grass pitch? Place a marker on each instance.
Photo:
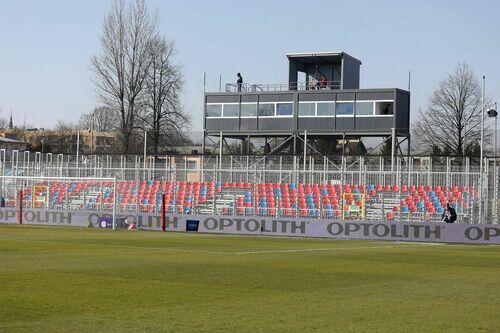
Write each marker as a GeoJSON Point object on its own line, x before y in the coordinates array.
{"type": "Point", "coordinates": [88, 280]}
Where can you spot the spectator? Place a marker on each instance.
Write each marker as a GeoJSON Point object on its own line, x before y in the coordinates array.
{"type": "Point", "coordinates": [316, 77]}
{"type": "Point", "coordinates": [239, 81]}
{"type": "Point", "coordinates": [2, 202]}
{"type": "Point", "coordinates": [449, 215]}
{"type": "Point", "coordinates": [387, 109]}
{"type": "Point", "coordinates": [323, 82]}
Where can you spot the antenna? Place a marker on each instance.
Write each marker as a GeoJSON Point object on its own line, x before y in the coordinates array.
{"type": "Point", "coordinates": [409, 80]}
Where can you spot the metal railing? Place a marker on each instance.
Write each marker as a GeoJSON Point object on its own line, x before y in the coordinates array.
{"type": "Point", "coordinates": [266, 87]}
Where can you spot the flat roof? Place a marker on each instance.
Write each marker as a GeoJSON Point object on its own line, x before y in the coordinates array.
{"type": "Point", "coordinates": [4, 139]}
{"type": "Point", "coordinates": [315, 57]}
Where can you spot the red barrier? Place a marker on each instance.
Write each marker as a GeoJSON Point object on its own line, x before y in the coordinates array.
{"type": "Point", "coordinates": [163, 212]}
{"type": "Point", "coordinates": [20, 206]}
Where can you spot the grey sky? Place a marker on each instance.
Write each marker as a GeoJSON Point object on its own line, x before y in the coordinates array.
{"type": "Point", "coordinates": [45, 46]}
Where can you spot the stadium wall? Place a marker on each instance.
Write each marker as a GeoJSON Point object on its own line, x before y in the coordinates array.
{"type": "Point", "coordinates": [292, 227]}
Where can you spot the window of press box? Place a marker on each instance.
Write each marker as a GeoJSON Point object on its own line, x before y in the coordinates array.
{"type": "Point", "coordinates": [307, 109]}
{"type": "Point", "coordinates": [284, 109]}
{"type": "Point", "coordinates": [266, 110]}
{"type": "Point", "coordinates": [249, 110]}
{"type": "Point", "coordinates": [384, 108]}
{"type": "Point", "coordinates": [344, 108]}
{"type": "Point", "coordinates": [231, 110]}
{"type": "Point", "coordinates": [364, 108]}
{"type": "Point", "coordinates": [326, 109]}
{"type": "Point", "coordinates": [214, 110]}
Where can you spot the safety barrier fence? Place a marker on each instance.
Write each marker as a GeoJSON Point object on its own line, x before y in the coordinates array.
{"type": "Point", "coordinates": [343, 195]}
{"type": "Point", "coordinates": [476, 201]}
{"type": "Point", "coordinates": [122, 167]}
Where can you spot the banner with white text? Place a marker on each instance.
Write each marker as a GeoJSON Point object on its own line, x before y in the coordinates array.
{"type": "Point", "coordinates": [293, 227]}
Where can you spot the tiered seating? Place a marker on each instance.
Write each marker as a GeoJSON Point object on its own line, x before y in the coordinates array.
{"type": "Point", "coordinates": [263, 199]}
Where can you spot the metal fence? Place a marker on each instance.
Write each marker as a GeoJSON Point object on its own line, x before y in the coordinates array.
{"type": "Point", "coordinates": [58, 193]}
{"type": "Point", "coordinates": [257, 87]}
{"type": "Point", "coordinates": [148, 167]}
{"type": "Point", "coordinates": [449, 180]}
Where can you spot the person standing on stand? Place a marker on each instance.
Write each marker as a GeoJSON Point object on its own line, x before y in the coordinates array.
{"type": "Point", "coordinates": [239, 81]}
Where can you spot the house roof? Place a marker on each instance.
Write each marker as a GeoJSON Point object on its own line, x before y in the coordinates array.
{"type": "Point", "coordinates": [319, 57]}
{"type": "Point", "coordinates": [7, 140]}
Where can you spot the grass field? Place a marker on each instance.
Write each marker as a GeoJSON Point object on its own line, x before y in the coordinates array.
{"type": "Point", "coordinates": [87, 280]}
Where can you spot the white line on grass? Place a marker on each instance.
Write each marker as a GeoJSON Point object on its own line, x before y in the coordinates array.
{"type": "Point", "coordinates": [167, 249]}
{"type": "Point", "coordinates": [337, 248]}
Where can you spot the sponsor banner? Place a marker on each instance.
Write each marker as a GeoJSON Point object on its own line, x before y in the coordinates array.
{"type": "Point", "coordinates": [83, 218]}
{"type": "Point", "coordinates": [296, 227]}
{"type": "Point", "coordinates": [338, 229]}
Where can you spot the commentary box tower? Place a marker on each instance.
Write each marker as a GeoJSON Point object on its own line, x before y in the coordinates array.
{"type": "Point", "coordinates": [322, 99]}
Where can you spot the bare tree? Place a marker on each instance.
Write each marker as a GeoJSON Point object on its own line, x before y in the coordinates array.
{"type": "Point", "coordinates": [101, 119]}
{"type": "Point", "coordinates": [60, 139]}
{"type": "Point", "coordinates": [452, 121]}
{"type": "Point", "coordinates": [64, 126]}
{"type": "Point", "coordinates": [3, 121]}
{"type": "Point", "coordinates": [164, 118]}
{"type": "Point", "coordinates": [120, 69]}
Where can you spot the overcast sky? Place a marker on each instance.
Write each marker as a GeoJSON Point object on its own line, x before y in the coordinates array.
{"type": "Point", "coordinates": [45, 46]}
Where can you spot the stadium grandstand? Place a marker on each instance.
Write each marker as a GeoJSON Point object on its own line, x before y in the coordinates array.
{"type": "Point", "coordinates": [356, 188]}
{"type": "Point", "coordinates": [293, 179]}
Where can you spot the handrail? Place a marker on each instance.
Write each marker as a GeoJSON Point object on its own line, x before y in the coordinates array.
{"type": "Point", "coordinates": [247, 87]}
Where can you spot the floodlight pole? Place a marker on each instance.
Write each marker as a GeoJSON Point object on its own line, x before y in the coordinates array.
{"type": "Point", "coordinates": [481, 155]}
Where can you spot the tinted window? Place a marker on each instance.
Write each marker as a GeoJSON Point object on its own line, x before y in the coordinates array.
{"type": "Point", "coordinates": [214, 110]}
{"type": "Point", "coordinates": [384, 108]}
{"type": "Point", "coordinates": [326, 109]}
{"type": "Point", "coordinates": [364, 108]}
{"type": "Point", "coordinates": [249, 110]}
{"type": "Point", "coordinates": [266, 109]}
{"type": "Point", "coordinates": [307, 109]}
{"type": "Point", "coordinates": [344, 108]}
{"type": "Point", "coordinates": [284, 109]}
{"type": "Point", "coordinates": [231, 110]}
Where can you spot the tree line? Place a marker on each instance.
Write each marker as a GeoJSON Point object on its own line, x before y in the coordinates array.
{"type": "Point", "coordinates": [137, 79]}
{"type": "Point", "coordinates": [139, 84]}
{"type": "Point", "coordinates": [451, 123]}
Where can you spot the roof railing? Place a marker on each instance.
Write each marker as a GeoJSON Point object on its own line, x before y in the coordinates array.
{"type": "Point", "coordinates": [311, 85]}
